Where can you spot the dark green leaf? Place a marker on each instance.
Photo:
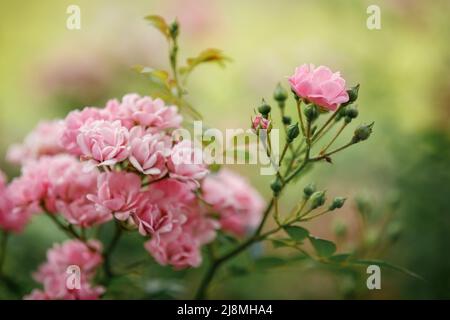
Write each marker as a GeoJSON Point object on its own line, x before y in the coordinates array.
{"type": "Point", "coordinates": [339, 258]}
{"type": "Point", "coordinates": [296, 233]}
{"type": "Point", "coordinates": [324, 248]}
{"type": "Point", "coordinates": [269, 262]}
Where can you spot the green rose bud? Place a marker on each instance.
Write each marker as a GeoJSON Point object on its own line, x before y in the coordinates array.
{"type": "Point", "coordinates": [309, 190]}
{"type": "Point", "coordinates": [362, 133]}
{"type": "Point", "coordinates": [317, 199]}
{"type": "Point", "coordinates": [264, 109]}
{"type": "Point", "coordinates": [337, 203]}
{"type": "Point", "coordinates": [292, 132]}
{"type": "Point", "coordinates": [340, 114]}
{"type": "Point", "coordinates": [174, 29]}
{"type": "Point", "coordinates": [352, 94]}
{"type": "Point", "coordinates": [311, 112]}
{"type": "Point", "coordinates": [276, 186]}
{"type": "Point", "coordinates": [351, 111]}
{"type": "Point", "coordinates": [287, 120]}
{"type": "Point", "coordinates": [280, 94]}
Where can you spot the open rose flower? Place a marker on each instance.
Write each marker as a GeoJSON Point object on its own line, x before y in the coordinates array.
{"type": "Point", "coordinates": [118, 193]}
{"type": "Point", "coordinates": [148, 153]}
{"type": "Point", "coordinates": [186, 163]}
{"type": "Point", "coordinates": [103, 142]}
{"type": "Point", "coordinates": [239, 205]}
{"type": "Point", "coordinates": [320, 86]}
{"type": "Point", "coordinates": [72, 124]}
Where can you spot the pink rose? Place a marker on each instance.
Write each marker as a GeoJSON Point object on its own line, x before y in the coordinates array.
{"type": "Point", "coordinates": [53, 273]}
{"type": "Point", "coordinates": [12, 218]}
{"type": "Point", "coordinates": [43, 140]}
{"type": "Point", "coordinates": [148, 153]}
{"type": "Point", "coordinates": [259, 122]}
{"type": "Point", "coordinates": [239, 205]}
{"type": "Point", "coordinates": [151, 113]}
{"type": "Point", "coordinates": [186, 162]}
{"type": "Point", "coordinates": [118, 193]}
{"type": "Point", "coordinates": [319, 85]}
{"type": "Point", "coordinates": [182, 252]}
{"type": "Point", "coordinates": [72, 124]}
{"type": "Point", "coordinates": [103, 142]}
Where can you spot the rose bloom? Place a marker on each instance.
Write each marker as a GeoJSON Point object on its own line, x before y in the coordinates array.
{"type": "Point", "coordinates": [320, 86]}
{"type": "Point", "coordinates": [148, 152]}
{"type": "Point", "coordinates": [72, 124]}
{"type": "Point", "coordinates": [119, 193]}
{"type": "Point", "coordinates": [186, 163]}
{"type": "Point", "coordinates": [239, 205]}
{"type": "Point", "coordinates": [53, 273]}
{"type": "Point", "coordinates": [149, 112]}
{"type": "Point", "coordinates": [103, 142]}
{"type": "Point", "coordinates": [12, 218]}
{"type": "Point", "coordinates": [43, 140]}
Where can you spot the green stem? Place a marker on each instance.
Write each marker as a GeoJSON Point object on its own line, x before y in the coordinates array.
{"type": "Point", "coordinates": [3, 247]}
{"type": "Point", "coordinates": [334, 138]}
{"type": "Point", "coordinates": [327, 122]}
{"type": "Point", "coordinates": [300, 116]}
{"type": "Point", "coordinates": [333, 152]}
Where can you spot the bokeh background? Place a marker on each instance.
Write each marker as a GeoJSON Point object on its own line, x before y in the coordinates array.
{"type": "Point", "coordinates": [403, 171]}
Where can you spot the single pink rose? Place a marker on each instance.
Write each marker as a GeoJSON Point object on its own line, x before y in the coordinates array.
{"type": "Point", "coordinates": [239, 205]}
{"type": "Point", "coordinates": [148, 153]}
{"type": "Point", "coordinates": [119, 193]}
{"type": "Point", "coordinates": [319, 85]}
{"type": "Point", "coordinates": [103, 142]}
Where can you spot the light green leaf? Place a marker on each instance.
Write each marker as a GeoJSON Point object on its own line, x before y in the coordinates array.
{"type": "Point", "coordinates": [206, 56]}
{"type": "Point", "coordinates": [296, 233]}
{"type": "Point", "coordinates": [324, 248]}
{"type": "Point", "coordinates": [159, 23]}
{"type": "Point", "coordinates": [280, 243]}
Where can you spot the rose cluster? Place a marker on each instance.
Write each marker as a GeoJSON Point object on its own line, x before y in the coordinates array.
{"type": "Point", "coordinates": [122, 162]}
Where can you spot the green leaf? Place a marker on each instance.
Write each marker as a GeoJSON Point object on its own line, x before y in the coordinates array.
{"type": "Point", "coordinates": [339, 258]}
{"type": "Point", "coordinates": [159, 23]}
{"type": "Point", "coordinates": [237, 271]}
{"type": "Point", "coordinates": [206, 56]}
{"type": "Point", "coordinates": [296, 233]}
{"type": "Point", "coordinates": [280, 243]}
{"type": "Point", "coordinates": [160, 76]}
{"type": "Point", "coordinates": [324, 248]}
{"type": "Point", "coordinates": [269, 262]}
{"type": "Point", "coordinates": [388, 265]}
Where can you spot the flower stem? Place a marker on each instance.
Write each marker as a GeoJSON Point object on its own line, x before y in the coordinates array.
{"type": "Point", "coordinates": [333, 152]}
{"type": "Point", "coordinates": [3, 247]}
{"type": "Point", "coordinates": [109, 250]}
{"type": "Point", "coordinates": [300, 116]}
{"type": "Point", "coordinates": [334, 138]}
{"type": "Point", "coordinates": [327, 122]}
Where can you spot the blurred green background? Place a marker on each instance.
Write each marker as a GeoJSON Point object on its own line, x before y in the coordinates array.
{"type": "Point", "coordinates": [403, 68]}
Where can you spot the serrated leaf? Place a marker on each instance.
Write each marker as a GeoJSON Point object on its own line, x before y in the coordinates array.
{"type": "Point", "coordinates": [296, 233]}
{"type": "Point", "coordinates": [324, 248]}
{"type": "Point", "coordinates": [206, 56]}
{"type": "Point", "coordinates": [160, 24]}
{"type": "Point", "coordinates": [382, 263]}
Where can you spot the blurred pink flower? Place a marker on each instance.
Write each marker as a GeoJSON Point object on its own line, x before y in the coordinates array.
{"type": "Point", "coordinates": [103, 142]}
{"type": "Point", "coordinates": [319, 85]}
{"type": "Point", "coordinates": [181, 252]}
{"type": "Point", "coordinates": [43, 140]}
{"type": "Point", "coordinates": [118, 193]}
{"type": "Point", "coordinates": [12, 218]}
{"type": "Point", "coordinates": [239, 205]}
{"type": "Point", "coordinates": [53, 273]}
{"type": "Point", "coordinates": [186, 163]}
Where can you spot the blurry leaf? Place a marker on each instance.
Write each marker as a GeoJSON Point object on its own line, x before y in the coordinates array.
{"type": "Point", "coordinates": [236, 270]}
{"type": "Point", "coordinates": [388, 265]}
{"type": "Point", "coordinates": [279, 243]}
{"type": "Point", "coordinates": [206, 56]}
{"type": "Point", "coordinates": [160, 76]}
{"type": "Point", "coordinates": [269, 262]}
{"type": "Point", "coordinates": [296, 233]}
{"type": "Point", "coordinates": [324, 248]}
{"type": "Point", "coordinates": [159, 23]}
